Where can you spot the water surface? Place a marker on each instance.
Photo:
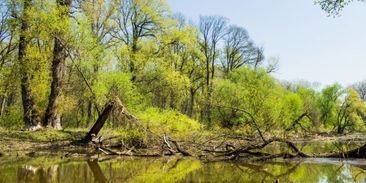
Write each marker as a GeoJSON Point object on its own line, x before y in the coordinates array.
{"type": "Point", "coordinates": [180, 170]}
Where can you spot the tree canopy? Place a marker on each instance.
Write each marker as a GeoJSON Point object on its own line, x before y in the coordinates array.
{"type": "Point", "coordinates": [61, 61]}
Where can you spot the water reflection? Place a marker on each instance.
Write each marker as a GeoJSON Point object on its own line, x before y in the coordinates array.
{"type": "Point", "coordinates": [180, 170]}
{"type": "Point", "coordinates": [97, 171]}
{"type": "Point", "coordinates": [319, 147]}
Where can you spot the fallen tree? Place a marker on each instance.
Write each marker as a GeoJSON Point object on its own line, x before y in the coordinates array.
{"type": "Point", "coordinates": [212, 149]}
{"type": "Point", "coordinates": [114, 104]}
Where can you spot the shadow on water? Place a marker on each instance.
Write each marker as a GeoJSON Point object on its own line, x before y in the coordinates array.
{"type": "Point", "coordinates": [182, 170]}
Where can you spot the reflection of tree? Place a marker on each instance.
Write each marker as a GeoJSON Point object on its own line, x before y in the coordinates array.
{"type": "Point", "coordinates": [360, 171]}
{"type": "Point", "coordinates": [97, 172]}
{"type": "Point", "coordinates": [261, 169]}
{"type": "Point", "coordinates": [187, 170]}
{"type": "Point", "coordinates": [29, 173]}
{"type": "Point", "coordinates": [175, 164]}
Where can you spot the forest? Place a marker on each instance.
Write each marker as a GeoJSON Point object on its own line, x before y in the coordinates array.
{"type": "Point", "coordinates": [156, 83]}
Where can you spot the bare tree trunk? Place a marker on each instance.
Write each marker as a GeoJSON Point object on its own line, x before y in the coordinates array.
{"type": "Point", "coordinates": [89, 112]}
{"type": "Point", "coordinates": [3, 104]}
{"type": "Point", "coordinates": [100, 122]}
{"type": "Point", "coordinates": [30, 114]}
{"type": "Point", "coordinates": [53, 117]}
{"type": "Point", "coordinates": [191, 103]}
{"type": "Point", "coordinates": [207, 107]}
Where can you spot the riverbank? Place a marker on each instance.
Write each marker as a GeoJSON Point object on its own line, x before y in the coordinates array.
{"type": "Point", "coordinates": [48, 142]}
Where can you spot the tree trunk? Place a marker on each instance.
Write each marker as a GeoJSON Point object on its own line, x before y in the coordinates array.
{"type": "Point", "coordinates": [99, 123]}
{"type": "Point", "coordinates": [191, 104]}
{"type": "Point", "coordinates": [89, 112]}
{"type": "Point", "coordinates": [3, 104]}
{"type": "Point", "coordinates": [206, 111]}
{"type": "Point", "coordinates": [30, 113]}
{"type": "Point", "coordinates": [53, 117]}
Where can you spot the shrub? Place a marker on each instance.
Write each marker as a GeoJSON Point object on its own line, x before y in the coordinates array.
{"type": "Point", "coordinates": [168, 121]}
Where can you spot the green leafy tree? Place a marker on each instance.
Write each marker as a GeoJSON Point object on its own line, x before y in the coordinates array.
{"type": "Point", "coordinates": [253, 98]}
{"type": "Point", "coordinates": [351, 113]}
{"type": "Point", "coordinates": [334, 7]}
{"type": "Point", "coordinates": [329, 103]}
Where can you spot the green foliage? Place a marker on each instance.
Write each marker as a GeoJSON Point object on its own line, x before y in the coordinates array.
{"type": "Point", "coordinates": [116, 84]}
{"type": "Point", "coordinates": [167, 88]}
{"type": "Point", "coordinates": [310, 99]}
{"type": "Point", "coordinates": [334, 7]}
{"type": "Point", "coordinates": [329, 103]}
{"type": "Point", "coordinates": [13, 118]}
{"type": "Point", "coordinates": [341, 109]}
{"type": "Point", "coordinates": [168, 122]}
{"type": "Point", "coordinates": [163, 68]}
{"type": "Point", "coordinates": [257, 93]}
{"type": "Point", "coordinates": [293, 107]}
{"type": "Point", "coordinates": [351, 113]}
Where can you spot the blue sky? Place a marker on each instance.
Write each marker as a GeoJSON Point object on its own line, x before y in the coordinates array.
{"type": "Point", "coordinates": [310, 45]}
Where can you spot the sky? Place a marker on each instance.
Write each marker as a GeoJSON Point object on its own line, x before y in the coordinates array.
{"type": "Point", "coordinates": [309, 44]}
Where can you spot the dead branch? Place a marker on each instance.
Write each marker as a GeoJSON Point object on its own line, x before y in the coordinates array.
{"type": "Point", "coordinates": [248, 149]}
{"type": "Point", "coordinates": [252, 122]}
{"type": "Point", "coordinates": [298, 122]}
{"type": "Point", "coordinates": [166, 142]}
{"type": "Point", "coordinates": [179, 149]}
{"type": "Point", "coordinates": [177, 146]}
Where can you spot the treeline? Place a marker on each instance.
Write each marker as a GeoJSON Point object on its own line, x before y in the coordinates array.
{"type": "Point", "coordinates": [61, 61]}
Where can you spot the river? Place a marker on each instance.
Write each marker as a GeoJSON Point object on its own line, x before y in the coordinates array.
{"type": "Point", "coordinates": [173, 169]}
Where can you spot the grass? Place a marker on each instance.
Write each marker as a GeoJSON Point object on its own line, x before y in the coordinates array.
{"type": "Point", "coordinates": [51, 135]}
{"type": "Point", "coordinates": [44, 135]}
